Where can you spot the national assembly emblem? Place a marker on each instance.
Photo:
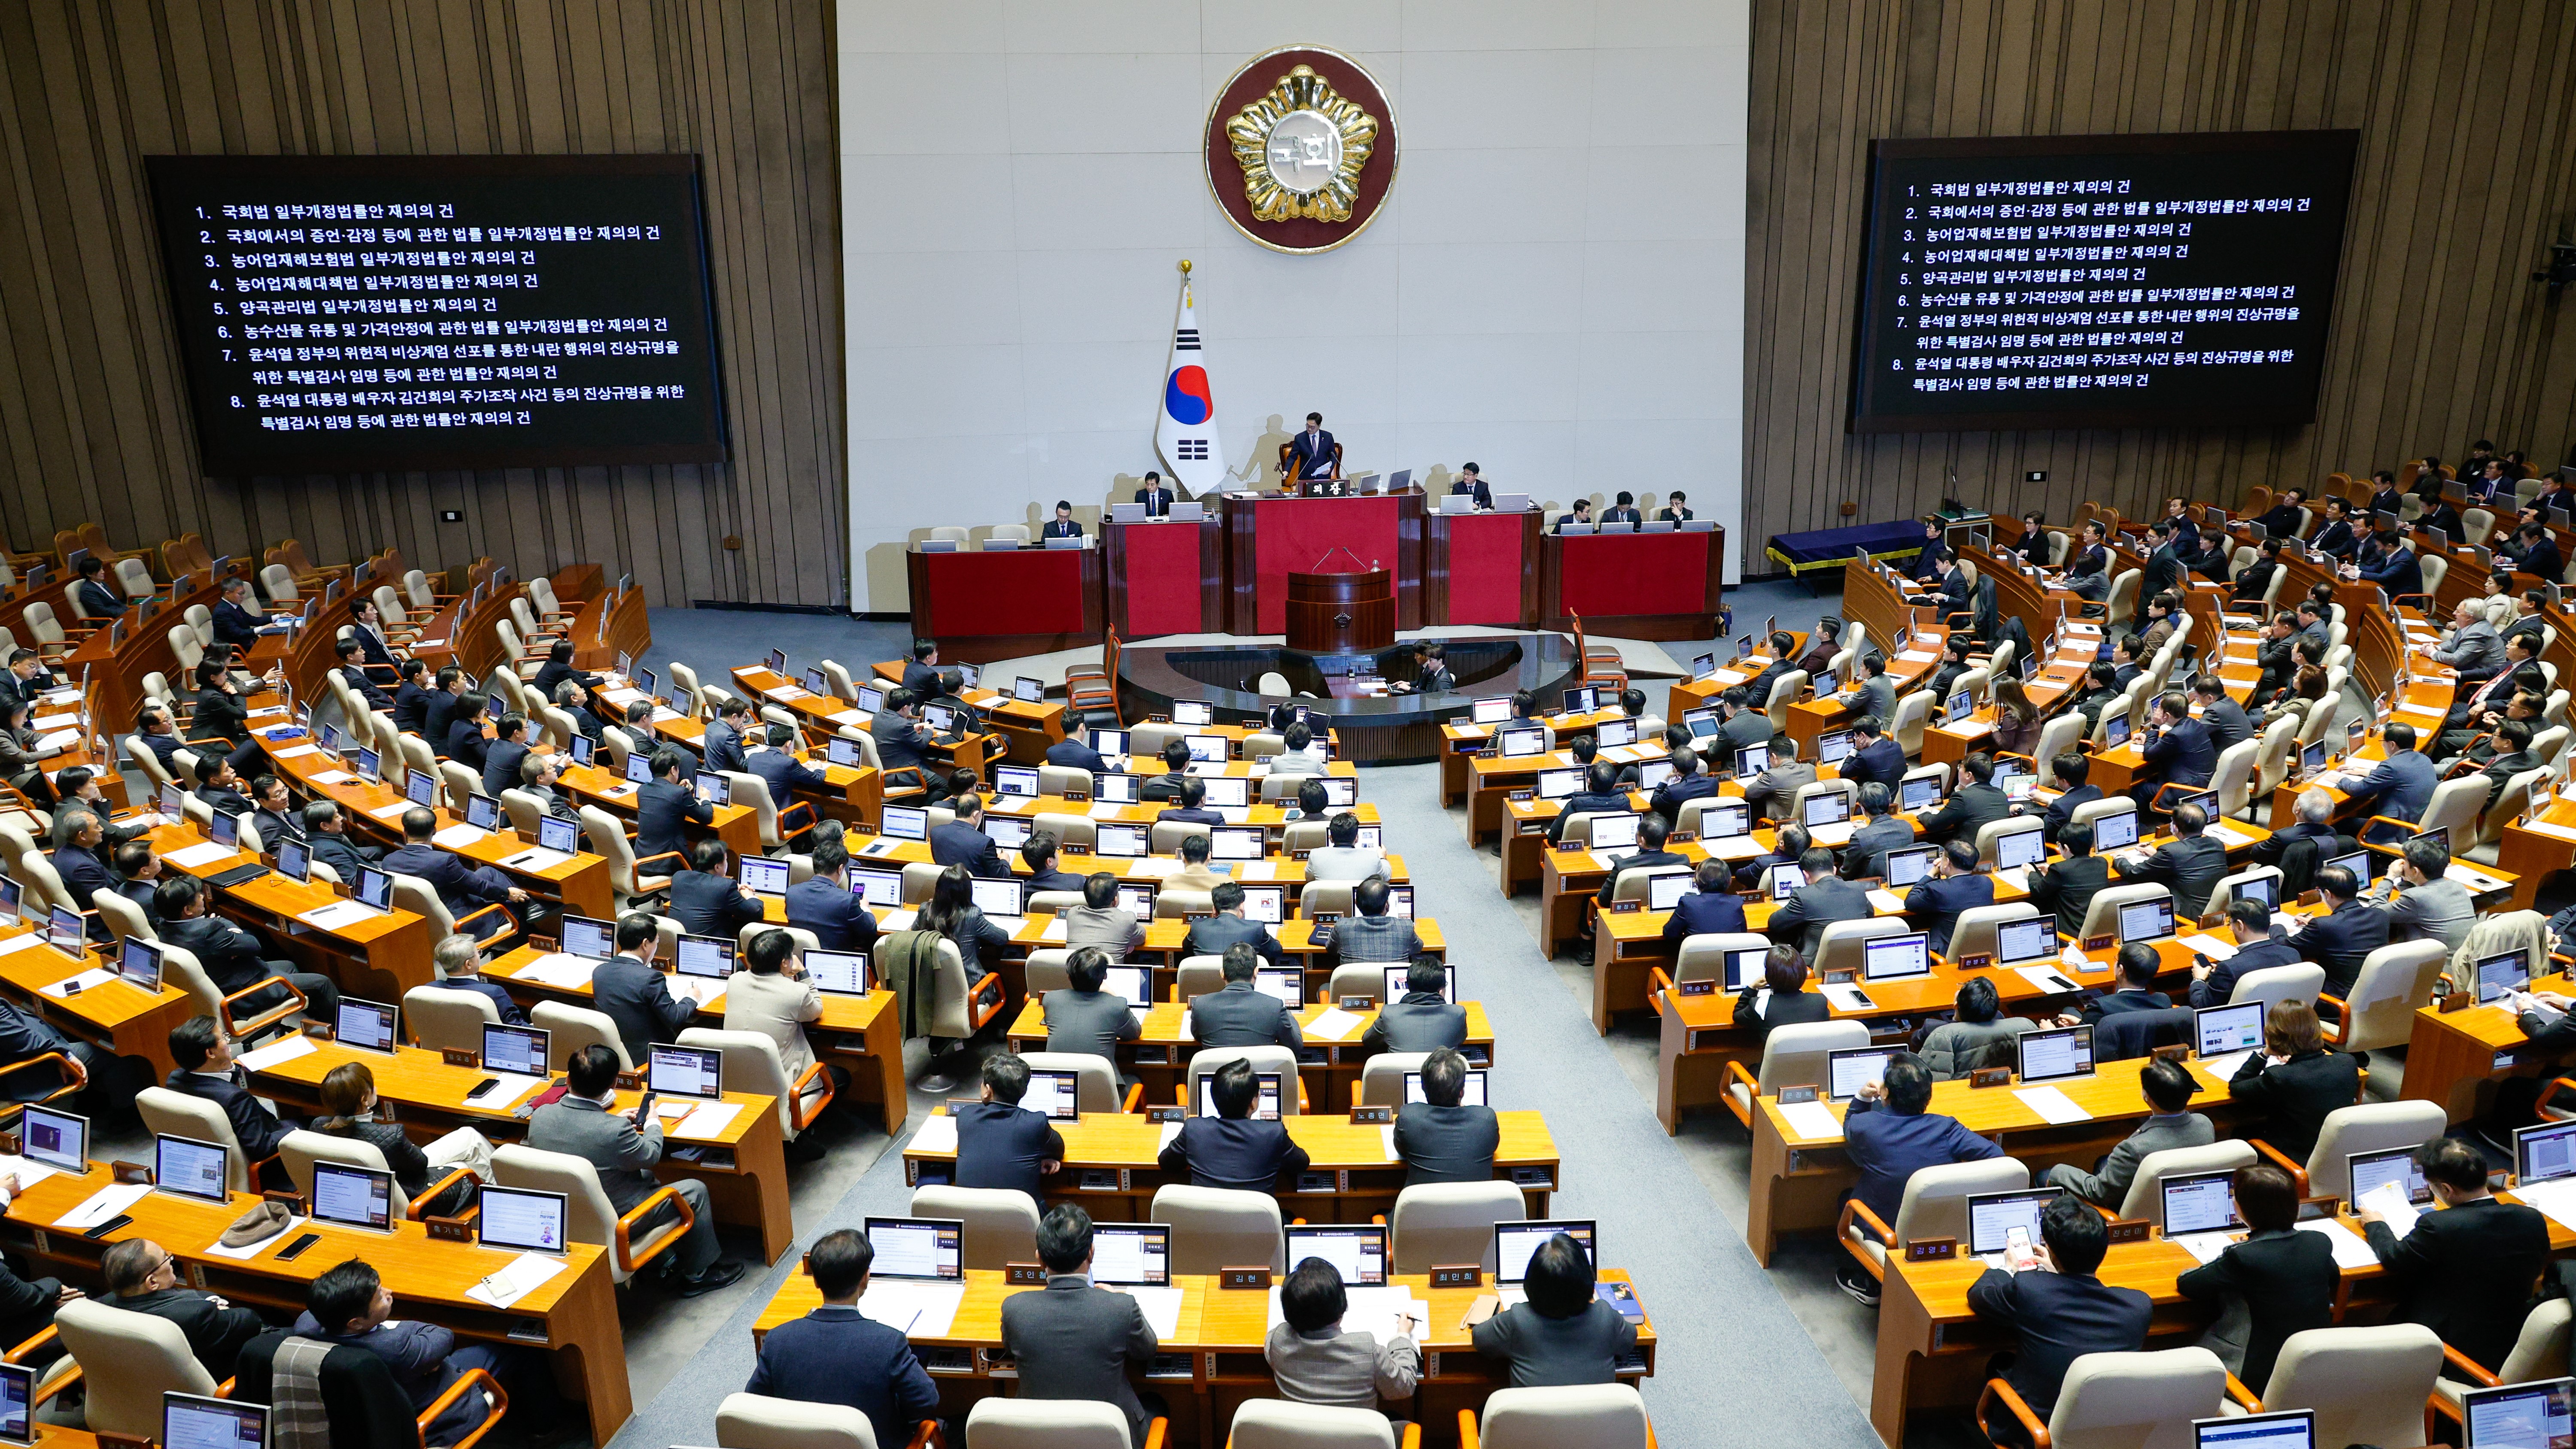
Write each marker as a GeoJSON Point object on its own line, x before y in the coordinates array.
{"type": "Point", "coordinates": [1301, 149]}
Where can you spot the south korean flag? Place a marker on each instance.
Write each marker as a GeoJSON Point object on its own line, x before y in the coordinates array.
{"type": "Point", "coordinates": [1185, 429]}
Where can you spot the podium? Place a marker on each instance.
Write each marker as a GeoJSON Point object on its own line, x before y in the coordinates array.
{"type": "Point", "coordinates": [1341, 613]}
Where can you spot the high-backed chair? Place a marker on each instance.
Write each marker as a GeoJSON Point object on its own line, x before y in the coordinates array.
{"type": "Point", "coordinates": [2299, 981]}
{"type": "Point", "coordinates": [1934, 1206]}
{"type": "Point", "coordinates": [627, 881]}
{"type": "Point", "coordinates": [2363, 1127]}
{"type": "Point", "coordinates": [1217, 1227]}
{"type": "Point", "coordinates": [442, 1017]}
{"type": "Point", "coordinates": [2365, 1385]}
{"type": "Point", "coordinates": [2121, 1400]}
{"type": "Point", "coordinates": [1381, 1081]}
{"type": "Point", "coordinates": [1001, 1223]}
{"type": "Point", "coordinates": [1095, 1080]}
{"type": "Point", "coordinates": [415, 895]}
{"type": "Point", "coordinates": [1974, 935]}
{"type": "Point", "coordinates": [2102, 918]}
{"type": "Point", "coordinates": [1792, 1056]}
{"type": "Point", "coordinates": [2142, 1201]}
{"type": "Point", "coordinates": [181, 1115]}
{"type": "Point", "coordinates": [1280, 1059]}
{"type": "Point", "coordinates": [1578, 1416]}
{"type": "Point", "coordinates": [302, 1148]}
{"type": "Point", "coordinates": [570, 1028]}
{"type": "Point", "coordinates": [2539, 1352]}
{"type": "Point", "coordinates": [1440, 1223]}
{"type": "Point", "coordinates": [1287, 1424]}
{"type": "Point", "coordinates": [592, 1218]}
{"type": "Point", "coordinates": [2394, 983]}
{"type": "Point", "coordinates": [127, 1361]}
{"type": "Point", "coordinates": [1000, 1423]}
{"type": "Point", "coordinates": [757, 1421]}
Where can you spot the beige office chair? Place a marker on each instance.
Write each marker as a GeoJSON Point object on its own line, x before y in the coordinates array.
{"type": "Point", "coordinates": [302, 1148]}
{"type": "Point", "coordinates": [1326, 896]}
{"type": "Point", "coordinates": [1055, 780]}
{"type": "Point", "coordinates": [1991, 836]}
{"type": "Point", "coordinates": [1841, 945]}
{"type": "Point", "coordinates": [2364, 1127]}
{"type": "Point", "coordinates": [2299, 981]}
{"type": "Point", "coordinates": [415, 895]}
{"type": "Point", "coordinates": [1079, 830]}
{"type": "Point", "coordinates": [180, 969]}
{"type": "Point", "coordinates": [181, 1115]}
{"type": "Point", "coordinates": [1792, 1056]}
{"type": "Point", "coordinates": [2122, 1400]}
{"type": "Point", "coordinates": [2394, 983]}
{"type": "Point", "coordinates": [629, 884]}
{"type": "Point", "coordinates": [592, 1219]}
{"type": "Point", "coordinates": [2365, 1385]}
{"type": "Point", "coordinates": [1439, 1223]}
{"type": "Point", "coordinates": [127, 1361]}
{"type": "Point", "coordinates": [1000, 1423]}
{"type": "Point", "coordinates": [2143, 1202]}
{"type": "Point", "coordinates": [2539, 1352]}
{"type": "Point", "coordinates": [1196, 976]}
{"type": "Point", "coordinates": [2223, 894]}
{"type": "Point", "coordinates": [445, 1018]}
{"type": "Point", "coordinates": [1974, 933]}
{"type": "Point", "coordinates": [1172, 905]}
{"type": "Point", "coordinates": [124, 919]}
{"type": "Point", "coordinates": [1285, 1424]}
{"type": "Point", "coordinates": [1934, 1206]}
{"type": "Point", "coordinates": [1913, 712]}
{"type": "Point", "coordinates": [1591, 1416]}
{"type": "Point", "coordinates": [1703, 957]}
{"type": "Point", "coordinates": [1045, 970]}
{"type": "Point", "coordinates": [1357, 978]}
{"type": "Point", "coordinates": [1280, 1059]}
{"type": "Point", "coordinates": [757, 1421]}
{"type": "Point", "coordinates": [1381, 1082]}
{"type": "Point", "coordinates": [570, 1028]}
{"type": "Point", "coordinates": [752, 1066]}
{"type": "Point", "coordinates": [1001, 1223]}
{"type": "Point", "coordinates": [1215, 1227]}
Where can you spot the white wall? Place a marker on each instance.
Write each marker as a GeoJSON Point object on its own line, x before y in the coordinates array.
{"type": "Point", "coordinates": [1555, 288]}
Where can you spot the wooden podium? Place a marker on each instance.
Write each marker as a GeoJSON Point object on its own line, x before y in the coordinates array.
{"type": "Point", "coordinates": [1343, 613]}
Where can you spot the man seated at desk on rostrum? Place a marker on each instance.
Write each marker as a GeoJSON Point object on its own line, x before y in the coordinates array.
{"type": "Point", "coordinates": [1234, 1149]}
{"type": "Point", "coordinates": [1470, 482]}
{"type": "Point", "coordinates": [142, 1277]}
{"type": "Point", "coordinates": [2170, 1122]}
{"type": "Point", "coordinates": [623, 1151]}
{"type": "Point", "coordinates": [1371, 934]}
{"type": "Point", "coordinates": [837, 1355]}
{"type": "Point", "coordinates": [1075, 1340]}
{"type": "Point", "coordinates": [2466, 1271]}
{"type": "Point", "coordinates": [1422, 1019]}
{"type": "Point", "coordinates": [1220, 933]}
{"type": "Point", "coordinates": [1889, 1136]}
{"type": "Point", "coordinates": [2060, 1310]}
{"type": "Point", "coordinates": [1238, 1016]}
{"type": "Point", "coordinates": [1101, 922]}
{"type": "Point", "coordinates": [1001, 1144]}
{"type": "Point", "coordinates": [2249, 925]}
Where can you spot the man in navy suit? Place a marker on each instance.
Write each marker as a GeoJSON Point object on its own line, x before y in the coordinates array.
{"type": "Point", "coordinates": [2394, 567]}
{"type": "Point", "coordinates": [96, 599]}
{"type": "Point", "coordinates": [1038, 853]}
{"type": "Point", "coordinates": [1313, 453]}
{"type": "Point", "coordinates": [2334, 536]}
{"type": "Point", "coordinates": [1711, 908]}
{"type": "Point", "coordinates": [462, 888]}
{"type": "Point", "coordinates": [1880, 832]}
{"type": "Point", "coordinates": [1075, 753]}
{"type": "Point", "coordinates": [205, 1068]}
{"type": "Point", "coordinates": [1233, 1149]}
{"type": "Point", "coordinates": [2060, 1309]}
{"type": "Point", "coordinates": [2164, 565]}
{"type": "Point", "coordinates": [2190, 865]}
{"type": "Point", "coordinates": [825, 905]}
{"type": "Point", "coordinates": [446, 692]}
{"type": "Point", "coordinates": [663, 805]}
{"type": "Point", "coordinates": [2229, 726]}
{"type": "Point", "coordinates": [2400, 787]}
{"type": "Point", "coordinates": [234, 621]}
{"type": "Point", "coordinates": [1063, 524]}
{"type": "Point", "coordinates": [2139, 965]}
{"type": "Point", "coordinates": [838, 1355]}
{"type": "Point", "coordinates": [1688, 783]}
{"type": "Point", "coordinates": [466, 743]}
{"type": "Point", "coordinates": [1469, 481]}
{"type": "Point", "coordinates": [962, 841]}
{"type": "Point", "coordinates": [1156, 496]}
{"type": "Point", "coordinates": [1955, 885]}
{"type": "Point", "coordinates": [1192, 809]}
{"type": "Point", "coordinates": [2070, 769]}
{"type": "Point", "coordinates": [1001, 1144]}
{"type": "Point", "coordinates": [2342, 938]}
{"type": "Point", "coordinates": [459, 960]}
{"type": "Point", "coordinates": [1920, 568]}
{"type": "Point", "coordinates": [635, 994]}
{"type": "Point", "coordinates": [1888, 1136]}
{"type": "Point", "coordinates": [502, 757]}
{"type": "Point", "coordinates": [2180, 752]}
{"type": "Point", "coordinates": [353, 673]}
{"type": "Point", "coordinates": [766, 754]}
{"type": "Point", "coordinates": [706, 901]}
{"type": "Point", "coordinates": [921, 673]}
{"type": "Point", "coordinates": [723, 736]}
{"type": "Point", "coordinates": [1875, 755]}
{"type": "Point", "coordinates": [2249, 924]}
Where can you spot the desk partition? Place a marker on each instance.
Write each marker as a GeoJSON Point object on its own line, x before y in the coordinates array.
{"type": "Point", "coordinates": [982, 606]}
{"type": "Point", "coordinates": [1480, 568]}
{"type": "Point", "coordinates": [1164, 578]}
{"type": "Point", "coordinates": [1633, 585]}
{"type": "Point", "coordinates": [1271, 535]}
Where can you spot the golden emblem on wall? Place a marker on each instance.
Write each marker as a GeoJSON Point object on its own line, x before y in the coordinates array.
{"type": "Point", "coordinates": [1302, 147]}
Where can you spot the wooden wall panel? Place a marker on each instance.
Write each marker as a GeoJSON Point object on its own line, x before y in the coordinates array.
{"type": "Point", "coordinates": [93, 412]}
{"type": "Point", "coordinates": [2466, 109]}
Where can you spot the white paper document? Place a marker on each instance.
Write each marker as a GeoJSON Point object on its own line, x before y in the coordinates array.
{"type": "Point", "coordinates": [536, 860]}
{"type": "Point", "coordinates": [2046, 979]}
{"type": "Point", "coordinates": [28, 1171]}
{"type": "Point", "coordinates": [2224, 1067]}
{"type": "Point", "coordinates": [916, 1309]}
{"type": "Point", "coordinates": [101, 1205]}
{"type": "Point", "coordinates": [2052, 1105]}
{"type": "Point", "coordinates": [339, 915]}
{"type": "Point", "coordinates": [1887, 903]}
{"type": "Point", "coordinates": [2351, 1250]}
{"type": "Point", "coordinates": [196, 855]}
{"type": "Point", "coordinates": [2210, 946]}
{"type": "Point", "coordinates": [1812, 1121]}
{"type": "Point", "coordinates": [27, 942]}
{"type": "Point", "coordinates": [516, 1279]}
{"type": "Point", "coordinates": [276, 1052]}
{"type": "Point", "coordinates": [708, 1122]}
{"type": "Point", "coordinates": [1162, 1307]}
{"type": "Point", "coordinates": [1104, 809]}
{"type": "Point", "coordinates": [1386, 1135]}
{"type": "Point", "coordinates": [457, 837]}
{"type": "Point", "coordinates": [2556, 1199]}
{"type": "Point", "coordinates": [557, 969]}
{"type": "Point", "coordinates": [514, 1086]}
{"type": "Point", "coordinates": [1836, 836]}
{"type": "Point", "coordinates": [1256, 870]}
{"type": "Point", "coordinates": [333, 777]}
{"type": "Point", "coordinates": [1846, 997]}
{"type": "Point", "coordinates": [299, 752]}
{"type": "Point", "coordinates": [938, 1134]}
{"type": "Point", "coordinates": [2203, 1246]}
{"type": "Point", "coordinates": [1333, 1025]}
{"type": "Point", "coordinates": [87, 981]}
{"type": "Point", "coordinates": [2389, 1201]}
{"type": "Point", "coordinates": [1171, 1132]}
{"type": "Point", "coordinates": [388, 812]}
{"type": "Point", "coordinates": [2551, 827]}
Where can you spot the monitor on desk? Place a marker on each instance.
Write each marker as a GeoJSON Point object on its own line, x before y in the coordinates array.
{"type": "Point", "coordinates": [1113, 788]}
{"type": "Point", "coordinates": [1020, 780]}
{"type": "Point", "coordinates": [905, 822]}
{"type": "Point", "coordinates": [1057, 1094]}
{"type": "Point", "coordinates": [1473, 1096]}
{"type": "Point", "coordinates": [1751, 760]}
{"type": "Point", "coordinates": [2017, 942]}
{"type": "Point", "coordinates": [838, 973]}
{"type": "Point", "coordinates": [1557, 784]}
{"type": "Point", "coordinates": [1287, 984]}
{"type": "Point", "coordinates": [1112, 840]}
{"type": "Point", "coordinates": [2060, 1054]}
{"type": "Point", "coordinates": [587, 936]}
{"type": "Point", "coordinates": [2369, 1170]}
{"type": "Point", "coordinates": [138, 965]}
{"type": "Point", "coordinates": [1028, 691]}
{"type": "Point", "coordinates": [1725, 820]}
{"type": "Point", "coordinates": [1131, 984]}
{"type": "Point", "coordinates": [224, 828]}
{"type": "Point", "coordinates": [1579, 701]}
{"type": "Point", "coordinates": [639, 771]}
{"type": "Point", "coordinates": [1138, 897]}
{"type": "Point", "coordinates": [294, 861]}
{"type": "Point", "coordinates": [1665, 889]}
{"type": "Point", "coordinates": [1784, 880]}
{"type": "Point", "coordinates": [1910, 864]}
{"type": "Point", "coordinates": [1962, 705]}
{"type": "Point", "coordinates": [1516, 1243]}
{"type": "Point", "coordinates": [2020, 849]}
{"type": "Point", "coordinates": [880, 888]}
{"type": "Point", "coordinates": [582, 747]}
{"type": "Point", "coordinates": [2440, 836]}
{"type": "Point", "coordinates": [1193, 712]}
{"type": "Point", "coordinates": [1265, 903]}
{"type": "Point", "coordinates": [17, 1414]}
{"type": "Point", "coordinates": [2503, 974]}
{"type": "Point", "coordinates": [1826, 807]}
{"type": "Point", "coordinates": [1614, 732]}
{"type": "Point", "coordinates": [1652, 774]}
{"type": "Point", "coordinates": [870, 698]}
{"type": "Point", "coordinates": [1208, 749]}
{"type": "Point", "coordinates": [353, 1197]}
{"type": "Point", "coordinates": [10, 894]}
{"type": "Point", "coordinates": [713, 788]}
{"type": "Point", "coordinates": [1238, 842]}
{"type": "Point", "coordinates": [192, 1421]}
{"type": "Point", "coordinates": [839, 750]}
{"type": "Point", "coordinates": [1520, 744]}
{"type": "Point", "coordinates": [939, 717]}
{"type": "Point", "coordinates": [1357, 1251]}
{"type": "Point", "coordinates": [64, 930]}
{"type": "Point", "coordinates": [1227, 792]}
{"type": "Point", "coordinates": [1614, 832]}
{"type": "Point", "coordinates": [1341, 792]}
{"type": "Point", "coordinates": [2115, 830]}
{"type": "Point", "coordinates": [375, 888]}
{"type": "Point", "coordinates": [816, 682]}
{"type": "Point", "coordinates": [678, 1071]}
{"type": "Point", "coordinates": [523, 1219]}
{"type": "Point", "coordinates": [1744, 968]}
{"type": "Point", "coordinates": [925, 1250]}
{"type": "Point", "coordinates": [2115, 731]}
{"type": "Point", "coordinates": [1132, 1255]}
{"type": "Point", "coordinates": [1004, 898]}
{"type": "Point", "coordinates": [777, 662]}
{"type": "Point", "coordinates": [1399, 902]}
{"type": "Point", "coordinates": [186, 1167]}
{"type": "Point", "coordinates": [709, 958]}
{"type": "Point", "coordinates": [2545, 1152]}
{"type": "Point", "coordinates": [1992, 1216]}
{"type": "Point", "coordinates": [1008, 833]}
{"type": "Point", "coordinates": [2218, 1031]}
{"type": "Point", "coordinates": [1489, 711]}
{"type": "Point", "coordinates": [1265, 1106]}
{"type": "Point", "coordinates": [2538, 1414]}
{"type": "Point", "coordinates": [2198, 1202]}
{"type": "Point", "coordinates": [1848, 1069]}
{"type": "Point", "coordinates": [1917, 793]}
{"type": "Point", "coordinates": [520, 1050]}
{"type": "Point", "coordinates": [2264, 890]}
{"type": "Point", "coordinates": [1833, 748]}
{"type": "Point", "coordinates": [1896, 958]}
{"type": "Point", "coordinates": [367, 1024]}
{"type": "Point", "coordinates": [59, 1140]}
{"type": "Point", "coordinates": [766, 875]}
{"type": "Point", "coordinates": [2207, 800]}
{"type": "Point", "coordinates": [1701, 723]}
{"type": "Point", "coordinates": [2358, 862]}
{"type": "Point", "coordinates": [2147, 921]}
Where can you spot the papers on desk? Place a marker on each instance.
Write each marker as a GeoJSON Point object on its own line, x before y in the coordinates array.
{"type": "Point", "coordinates": [709, 1121]}
{"type": "Point", "coordinates": [1333, 1025]}
{"type": "Point", "coordinates": [1235, 814]}
{"type": "Point", "coordinates": [915, 1309]}
{"type": "Point", "coordinates": [516, 1279]}
{"type": "Point", "coordinates": [536, 860]}
{"type": "Point", "coordinates": [2389, 1201]}
{"type": "Point", "coordinates": [196, 855]}
{"type": "Point", "coordinates": [900, 919]}
{"type": "Point", "coordinates": [1470, 732]}
{"type": "Point", "coordinates": [339, 915]}
{"type": "Point", "coordinates": [881, 846]}
{"type": "Point", "coordinates": [1386, 1136]}
{"type": "Point", "coordinates": [1154, 867]}
{"type": "Point", "coordinates": [1727, 676]}
{"type": "Point", "coordinates": [64, 695]}
{"type": "Point", "coordinates": [1812, 1122]}
{"type": "Point", "coordinates": [457, 837]}
{"type": "Point", "coordinates": [388, 812]}
{"type": "Point", "coordinates": [299, 752]}
{"type": "Point", "coordinates": [699, 990]}
{"type": "Point", "coordinates": [2351, 1249]}
{"type": "Point", "coordinates": [938, 1134]}
{"type": "Point", "coordinates": [252, 1250]}
{"type": "Point", "coordinates": [2018, 877]}
{"type": "Point", "coordinates": [2229, 835]}
{"type": "Point", "coordinates": [1919, 656]}
{"type": "Point", "coordinates": [1053, 935]}
{"type": "Point", "coordinates": [1971, 727]}
{"type": "Point", "coordinates": [787, 691]}
{"type": "Point", "coordinates": [1104, 809]}
{"type": "Point", "coordinates": [2210, 946]}
{"type": "Point", "coordinates": [2556, 1199]}
{"type": "Point", "coordinates": [276, 1052]}
{"type": "Point", "coordinates": [1732, 848]}
{"type": "Point", "coordinates": [2551, 827]}
{"type": "Point", "coordinates": [513, 1086]}
{"type": "Point", "coordinates": [1172, 1131]}
{"type": "Point", "coordinates": [2224, 1066]}
{"type": "Point", "coordinates": [621, 697]}
{"type": "Point", "coordinates": [437, 643]}
{"type": "Point", "coordinates": [101, 1205]}
{"type": "Point", "coordinates": [2052, 1105]}
{"type": "Point", "coordinates": [1886, 902]}
{"type": "Point", "coordinates": [2475, 879]}
{"type": "Point", "coordinates": [333, 777]}
{"type": "Point", "coordinates": [2421, 712]}
{"type": "Point", "coordinates": [2205, 1247]}
{"type": "Point", "coordinates": [1847, 997]}
{"type": "Point", "coordinates": [27, 942]}
{"type": "Point", "coordinates": [86, 981]}
{"type": "Point", "coordinates": [557, 969]}
{"type": "Point", "coordinates": [853, 717]}
{"type": "Point", "coordinates": [1604, 860]}
{"type": "Point", "coordinates": [1162, 1306]}
{"type": "Point", "coordinates": [1832, 835]}
{"type": "Point", "coordinates": [2046, 979]}
{"type": "Point", "coordinates": [28, 1171]}
{"type": "Point", "coordinates": [1182, 1027]}
{"type": "Point", "coordinates": [264, 712]}
{"type": "Point", "coordinates": [1256, 870]}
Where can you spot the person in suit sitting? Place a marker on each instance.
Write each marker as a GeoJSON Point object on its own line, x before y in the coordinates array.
{"type": "Point", "coordinates": [507, 750]}
{"type": "Point", "coordinates": [2334, 536]}
{"type": "Point", "coordinates": [1888, 1136]}
{"type": "Point", "coordinates": [2067, 886]}
{"type": "Point", "coordinates": [1710, 908]}
{"type": "Point", "coordinates": [234, 959]}
{"type": "Point", "coordinates": [438, 710]}
{"type": "Point", "coordinates": [1743, 723]}
{"type": "Point", "coordinates": [1001, 1144]}
{"type": "Point", "coordinates": [2071, 770]}
{"type": "Point", "coordinates": [1623, 509]}
{"type": "Point", "coordinates": [1228, 928]}
{"type": "Point", "coordinates": [1194, 874]}
{"type": "Point", "coordinates": [1156, 495]}
{"type": "Point", "coordinates": [2286, 1279]}
{"type": "Point", "coordinates": [1561, 1334]}
{"type": "Point", "coordinates": [1238, 1016]}
{"type": "Point", "coordinates": [1954, 886]}
{"type": "Point", "coordinates": [352, 671]}
{"type": "Point", "coordinates": [1422, 1019]}
{"type": "Point", "coordinates": [1649, 856]}
{"type": "Point", "coordinates": [2191, 864]}
{"type": "Point", "coordinates": [1063, 524]}
{"type": "Point", "coordinates": [962, 841]}
{"type": "Point", "coordinates": [1192, 809]}
{"type": "Point", "coordinates": [2139, 964]}
{"type": "Point", "coordinates": [1040, 853]}
{"type": "Point", "coordinates": [1581, 513]}
{"type": "Point", "coordinates": [1313, 453]}
{"type": "Point", "coordinates": [921, 671]}
{"type": "Point", "coordinates": [768, 753]}
{"type": "Point", "coordinates": [705, 900]}
{"type": "Point", "coordinates": [1876, 757]}
{"type": "Point", "coordinates": [1673, 510]}
{"type": "Point", "coordinates": [350, 1307]}
{"type": "Point", "coordinates": [2399, 788]}
{"type": "Point", "coordinates": [1784, 978]}
{"type": "Point", "coordinates": [663, 806]}
{"type": "Point", "coordinates": [2294, 1081]}
{"type": "Point", "coordinates": [464, 889]}
{"type": "Point", "coordinates": [1100, 922]}
{"type": "Point", "coordinates": [459, 960]}
{"type": "Point", "coordinates": [1687, 783]}
{"type": "Point", "coordinates": [903, 744]}
{"type": "Point", "coordinates": [1469, 481]}
{"type": "Point", "coordinates": [1825, 898]}
{"type": "Point", "coordinates": [2059, 1310]}
{"type": "Point", "coordinates": [273, 812]}
{"type": "Point", "coordinates": [1431, 670]}
{"type": "Point", "coordinates": [96, 599]}
{"type": "Point", "coordinates": [235, 622]}
{"type": "Point", "coordinates": [1234, 1149]}
{"type": "Point", "coordinates": [144, 1277]}
{"type": "Point", "coordinates": [2179, 750]}
{"type": "Point", "coordinates": [722, 741]}
{"type": "Point", "coordinates": [1082, 1017]}
{"type": "Point", "coordinates": [2343, 938]}
{"type": "Point", "coordinates": [1075, 1340]}
{"type": "Point", "coordinates": [1600, 795]}
{"type": "Point", "coordinates": [2225, 719]}
{"type": "Point", "coordinates": [2426, 905]}
{"type": "Point", "coordinates": [219, 785]}
{"type": "Point", "coordinates": [466, 743]}
{"type": "Point", "coordinates": [825, 905]}
{"type": "Point", "coordinates": [635, 993]}
{"type": "Point", "coordinates": [1073, 753]}
{"type": "Point", "coordinates": [1439, 1138]}
{"type": "Point", "coordinates": [1770, 792]}
{"type": "Point", "coordinates": [2249, 922]}
{"type": "Point", "coordinates": [837, 1355]}
{"type": "Point", "coordinates": [206, 1067]}
{"type": "Point", "coordinates": [1881, 831]}
{"type": "Point", "coordinates": [1316, 1361]}
{"type": "Point", "coordinates": [1371, 934]}
{"type": "Point", "coordinates": [2466, 1271]}
{"type": "Point", "coordinates": [623, 1149]}
{"type": "Point", "coordinates": [326, 834]}
{"type": "Point", "coordinates": [1973, 806]}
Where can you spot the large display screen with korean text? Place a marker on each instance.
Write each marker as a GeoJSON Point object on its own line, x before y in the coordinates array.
{"type": "Point", "coordinates": [2099, 281]}
{"type": "Point", "coordinates": [397, 313]}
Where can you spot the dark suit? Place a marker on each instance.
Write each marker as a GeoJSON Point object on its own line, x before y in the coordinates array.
{"type": "Point", "coordinates": [99, 601]}
{"type": "Point", "coordinates": [1795, 1009]}
{"type": "Point", "coordinates": [83, 873]}
{"type": "Point", "coordinates": [502, 1002]}
{"type": "Point", "coordinates": [1057, 528]}
{"type": "Point", "coordinates": [236, 625]}
{"type": "Point", "coordinates": [1816, 905]}
{"type": "Point", "coordinates": [466, 743]}
{"type": "Point", "coordinates": [2061, 811]}
{"type": "Point", "coordinates": [1674, 793]}
{"type": "Point", "coordinates": [1882, 760]}
{"type": "Point", "coordinates": [356, 678]}
{"type": "Point", "coordinates": [2163, 571]}
{"type": "Point", "coordinates": [837, 1355]}
{"type": "Point", "coordinates": [1235, 1152]}
{"type": "Point", "coordinates": [1157, 501]}
{"type": "Point", "coordinates": [1616, 515]}
{"type": "Point", "coordinates": [1639, 860]}
{"type": "Point", "coordinates": [1888, 1147]}
{"type": "Point", "coordinates": [660, 808]}
{"type": "Point", "coordinates": [1702, 913]}
{"type": "Point", "coordinates": [1074, 1341]}
{"type": "Point", "coordinates": [1210, 937]}
{"type": "Point", "coordinates": [2334, 539]}
{"type": "Point", "coordinates": [957, 843]}
{"type": "Point", "coordinates": [2228, 726]}
{"type": "Point", "coordinates": [1585, 802]}
{"type": "Point", "coordinates": [2401, 787]}
{"type": "Point", "coordinates": [784, 774]}
{"type": "Point", "coordinates": [2287, 1279]}
{"type": "Point", "coordinates": [1002, 1145]}
{"type": "Point", "coordinates": [1483, 491]}
{"type": "Point", "coordinates": [256, 1131]}
{"type": "Point", "coordinates": [706, 904]}
{"type": "Point", "coordinates": [1447, 1144]}
{"type": "Point", "coordinates": [2060, 1317]}
{"type": "Point", "coordinates": [901, 741]}
{"type": "Point", "coordinates": [838, 918]}
{"type": "Point", "coordinates": [1075, 755]}
{"type": "Point", "coordinates": [337, 852]}
{"type": "Point", "coordinates": [1938, 901]}
{"type": "Point", "coordinates": [501, 761]}
{"type": "Point", "coordinates": [2191, 866]}
{"type": "Point", "coordinates": [2127, 999]}
{"type": "Point", "coordinates": [556, 669]}
{"type": "Point", "coordinates": [2271, 851]}
{"type": "Point", "coordinates": [2341, 940]}
{"type": "Point", "coordinates": [232, 961]}
{"type": "Point", "coordinates": [462, 888]}
{"type": "Point", "coordinates": [2182, 754]}
{"type": "Point", "coordinates": [1867, 853]}
{"type": "Point", "coordinates": [2223, 975]}
{"type": "Point", "coordinates": [1419, 1021]}
{"type": "Point", "coordinates": [215, 1332]}
{"type": "Point", "coordinates": [722, 746]}
{"type": "Point", "coordinates": [1311, 455]}
{"type": "Point", "coordinates": [1556, 1352]}
{"type": "Point", "coordinates": [638, 998]}
{"type": "Point", "coordinates": [2398, 571]}
{"type": "Point", "coordinates": [1975, 805]}
{"type": "Point", "coordinates": [436, 714]}
{"type": "Point", "coordinates": [2067, 888]}
{"type": "Point", "coordinates": [2468, 1273]}
{"type": "Point", "coordinates": [1239, 1016]}
{"type": "Point", "coordinates": [2296, 1095]}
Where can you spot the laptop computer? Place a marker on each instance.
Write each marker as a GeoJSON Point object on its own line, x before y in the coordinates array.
{"type": "Point", "coordinates": [2531, 1415]}
{"type": "Point", "coordinates": [526, 1220]}
{"type": "Point", "coordinates": [1132, 1255]}
{"type": "Point", "coordinates": [2289, 1429]}
{"type": "Point", "coordinates": [2198, 1202]}
{"type": "Point", "coordinates": [922, 1250]}
{"type": "Point", "coordinates": [1265, 1103]}
{"type": "Point", "coordinates": [1992, 1217]}
{"type": "Point", "coordinates": [1357, 1251]}
{"type": "Point", "coordinates": [1848, 1069]}
{"type": "Point", "coordinates": [1473, 1094]}
{"type": "Point", "coordinates": [369, 1025]}
{"type": "Point", "coordinates": [1516, 1243]}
